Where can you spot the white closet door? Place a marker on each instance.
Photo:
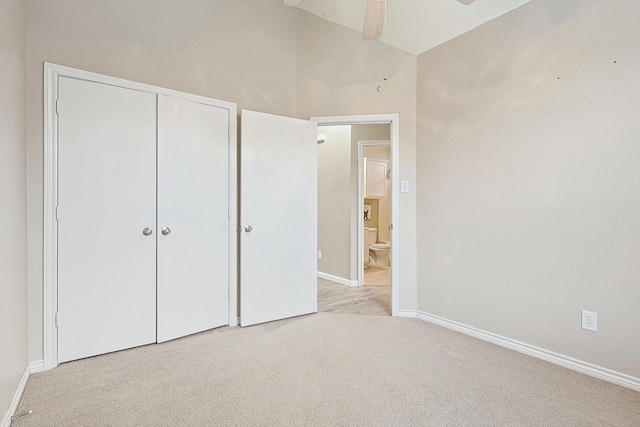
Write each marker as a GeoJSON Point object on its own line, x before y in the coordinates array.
{"type": "Point", "coordinates": [193, 217]}
{"type": "Point", "coordinates": [106, 198]}
{"type": "Point", "coordinates": [278, 217]}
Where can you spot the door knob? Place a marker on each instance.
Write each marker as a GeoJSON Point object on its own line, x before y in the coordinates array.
{"type": "Point", "coordinates": [166, 231]}
{"type": "Point", "coordinates": [147, 231]}
{"type": "Point", "coordinates": [248, 229]}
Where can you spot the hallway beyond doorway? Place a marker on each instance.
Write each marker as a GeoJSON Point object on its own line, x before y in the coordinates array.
{"type": "Point", "coordinates": [368, 300]}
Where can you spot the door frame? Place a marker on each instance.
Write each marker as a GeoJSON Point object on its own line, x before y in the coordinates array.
{"type": "Point", "coordinates": [360, 195]}
{"type": "Point", "coordinates": [394, 121]}
{"type": "Point", "coordinates": [52, 72]}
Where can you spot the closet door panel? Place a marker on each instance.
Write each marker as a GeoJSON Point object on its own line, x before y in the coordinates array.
{"type": "Point", "coordinates": [106, 198]}
{"type": "Point", "coordinates": [193, 217]}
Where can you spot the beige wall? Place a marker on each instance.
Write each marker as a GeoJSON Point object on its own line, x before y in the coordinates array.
{"type": "Point", "coordinates": [242, 52]}
{"type": "Point", "coordinates": [13, 202]}
{"type": "Point", "coordinates": [337, 75]}
{"type": "Point", "coordinates": [529, 179]}
{"type": "Point", "coordinates": [334, 201]}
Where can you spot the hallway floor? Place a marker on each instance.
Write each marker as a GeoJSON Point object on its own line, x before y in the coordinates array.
{"type": "Point", "coordinates": [377, 276]}
{"type": "Point", "coordinates": [368, 300]}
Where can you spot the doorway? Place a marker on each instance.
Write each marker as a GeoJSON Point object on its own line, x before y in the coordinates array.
{"type": "Point", "coordinates": [349, 269]}
{"type": "Point", "coordinates": [374, 202]}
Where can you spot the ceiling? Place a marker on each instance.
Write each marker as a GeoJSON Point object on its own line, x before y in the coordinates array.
{"type": "Point", "coordinates": [413, 25]}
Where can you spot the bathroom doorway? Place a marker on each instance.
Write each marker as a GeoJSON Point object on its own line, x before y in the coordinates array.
{"type": "Point", "coordinates": [342, 250]}
{"type": "Point", "coordinates": [374, 202]}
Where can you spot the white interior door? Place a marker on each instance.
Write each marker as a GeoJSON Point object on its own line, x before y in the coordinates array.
{"type": "Point", "coordinates": [193, 217]}
{"type": "Point", "coordinates": [278, 207]}
{"type": "Point", "coordinates": [106, 198]}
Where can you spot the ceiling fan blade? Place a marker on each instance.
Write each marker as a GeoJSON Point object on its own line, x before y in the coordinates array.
{"type": "Point", "coordinates": [466, 2]}
{"type": "Point", "coordinates": [374, 19]}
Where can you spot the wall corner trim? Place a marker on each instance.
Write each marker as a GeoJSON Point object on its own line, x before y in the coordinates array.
{"type": "Point", "coordinates": [537, 352]}
{"type": "Point", "coordinates": [342, 281]}
{"type": "Point", "coordinates": [31, 368]}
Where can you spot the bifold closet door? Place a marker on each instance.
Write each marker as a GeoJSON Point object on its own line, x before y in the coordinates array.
{"type": "Point", "coordinates": [278, 216]}
{"type": "Point", "coordinates": [193, 217]}
{"type": "Point", "coordinates": [106, 201]}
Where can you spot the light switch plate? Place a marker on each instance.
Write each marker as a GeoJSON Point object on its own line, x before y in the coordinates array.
{"type": "Point", "coordinates": [404, 186]}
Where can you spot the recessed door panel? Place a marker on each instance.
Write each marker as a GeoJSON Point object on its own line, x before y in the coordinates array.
{"type": "Point", "coordinates": [278, 217]}
{"type": "Point", "coordinates": [193, 217]}
{"type": "Point", "coordinates": [106, 198]}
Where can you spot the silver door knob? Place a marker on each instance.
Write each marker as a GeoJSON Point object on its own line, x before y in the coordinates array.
{"type": "Point", "coordinates": [166, 231]}
{"type": "Point", "coordinates": [147, 231]}
{"type": "Point", "coordinates": [248, 229]}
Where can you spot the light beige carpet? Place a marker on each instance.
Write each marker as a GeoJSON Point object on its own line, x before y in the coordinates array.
{"type": "Point", "coordinates": [324, 369]}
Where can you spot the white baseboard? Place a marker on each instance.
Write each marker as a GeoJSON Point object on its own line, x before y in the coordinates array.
{"type": "Point", "coordinates": [407, 313]}
{"type": "Point", "coordinates": [530, 350]}
{"type": "Point", "coordinates": [346, 282]}
{"type": "Point", "coordinates": [31, 368]}
{"type": "Point", "coordinates": [37, 366]}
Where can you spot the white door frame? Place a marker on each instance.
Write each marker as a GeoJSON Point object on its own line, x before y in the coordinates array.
{"type": "Point", "coordinates": [50, 239]}
{"type": "Point", "coordinates": [360, 195]}
{"type": "Point", "coordinates": [393, 121]}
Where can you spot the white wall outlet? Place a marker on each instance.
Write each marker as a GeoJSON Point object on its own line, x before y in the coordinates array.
{"type": "Point", "coordinates": [319, 254]}
{"type": "Point", "coordinates": [589, 320]}
{"type": "Point", "coordinates": [404, 186]}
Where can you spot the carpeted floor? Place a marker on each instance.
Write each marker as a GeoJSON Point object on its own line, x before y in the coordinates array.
{"type": "Point", "coordinates": [324, 369]}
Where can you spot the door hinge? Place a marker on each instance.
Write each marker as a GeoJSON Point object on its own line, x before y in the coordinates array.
{"type": "Point", "coordinates": [390, 226]}
{"type": "Point", "coordinates": [57, 106]}
{"type": "Point", "coordinates": [57, 216]}
{"type": "Point", "coordinates": [56, 319]}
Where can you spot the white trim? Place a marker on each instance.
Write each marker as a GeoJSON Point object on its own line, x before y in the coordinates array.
{"type": "Point", "coordinates": [530, 350]}
{"type": "Point", "coordinates": [51, 74]}
{"type": "Point", "coordinates": [394, 121]}
{"type": "Point", "coordinates": [31, 368]}
{"type": "Point", "coordinates": [37, 366]}
{"type": "Point", "coordinates": [50, 246]}
{"type": "Point", "coordinates": [233, 216]}
{"type": "Point", "coordinates": [360, 196]}
{"type": "Point", "coordinates": [411, 314]}
{"type": "Point", "coordinates": [340, 280]}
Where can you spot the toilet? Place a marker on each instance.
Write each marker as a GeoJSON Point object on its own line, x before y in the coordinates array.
{"type": "Point", "coordinates": [370, 237]}
{"type": "Point", "coordinates": [375, 254]}
{"type": "Point", "coordinates": [380, 254]}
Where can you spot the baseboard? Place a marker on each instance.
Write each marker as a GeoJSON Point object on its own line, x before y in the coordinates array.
{"type": "Point", "coordinates": [37, 366]}
{"type": "Point", "coordinates": [530, 350]}
{"type": "Point", "coordinates": [407, 313]}
{"type": "Point", "coordinates": [31, 368]}
{"type": "Point", "coordinates": [342, 281]}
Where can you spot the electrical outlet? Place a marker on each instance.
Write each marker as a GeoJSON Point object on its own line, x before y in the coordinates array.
{"type": "Point", "coordinates": [319, 254]}
{"type": "Point", "coordinates": [590, 321]}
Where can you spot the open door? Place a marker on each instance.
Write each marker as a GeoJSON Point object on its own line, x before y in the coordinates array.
{"type": "Point", "coordinates": [278, 217]}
